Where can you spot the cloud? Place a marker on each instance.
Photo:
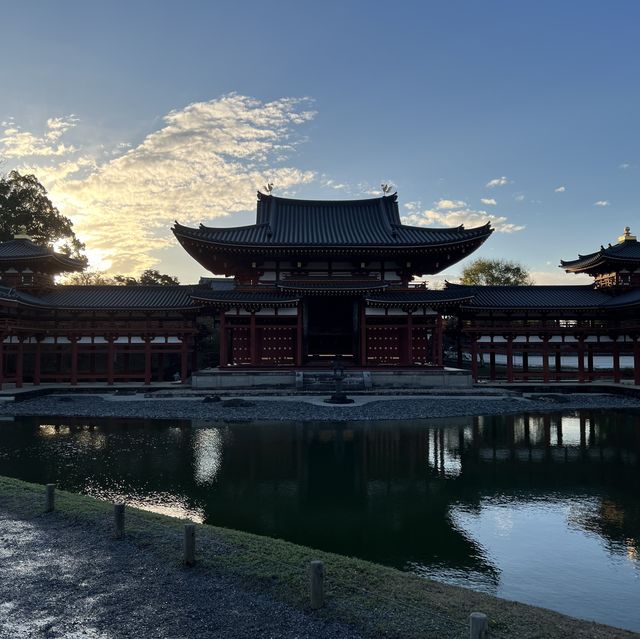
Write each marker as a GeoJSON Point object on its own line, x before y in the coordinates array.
{"type": "Point", "coordinates": [488, 201]}
{"type": "Point", "coordinates": [560, 189]}
{"type": "Point", "coordinates": [519, 198]}
{"type": "Point", "coordinates": [17, 143]}
{"type": "Point", "coordinates": [205, 162]}
{"type": "Point", "coordinates": [501, 181]}
{"type": "Point", "coordinates": [624, 166]}
{"type": "Point", "coordinates": [455, 217]}
{"type": "Point", "coordinates": [559, 277]}
{"type": "Point", "coordinates": [602, 203]}
{"type": "Point", "coordinates": [450, 204]}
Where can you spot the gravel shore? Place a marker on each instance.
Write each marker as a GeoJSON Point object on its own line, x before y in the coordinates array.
{"type": "Point", "coordinates": [302, 409]}
{"type": "Point", "coordinates": [61, 580]}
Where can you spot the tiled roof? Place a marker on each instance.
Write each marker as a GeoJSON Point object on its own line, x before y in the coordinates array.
{"type": "Point", "coordinates": [121, 297]}
{"type": "Point", "coordinates": [626, 251]}
{"type": "Point", "coordinates": [538, 297]}
{"type": "Point", "coordinates": [10, 294]}
{"type": "Point", "coordinates": [289, 222]}
{"type": "Point", "coordinates": [420, 296]}
{"type": "Point", "coordinates": [238, 298]}
{"type": "Point", "coordinates": [23, 250]}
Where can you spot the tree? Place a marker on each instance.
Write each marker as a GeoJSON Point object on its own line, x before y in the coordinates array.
{"type": "Point", "coordinates": [150, 277]}
{"type": "Point", "coordinates": [24, 206]}
{"type": "Point", "coordinates": [496, 272]}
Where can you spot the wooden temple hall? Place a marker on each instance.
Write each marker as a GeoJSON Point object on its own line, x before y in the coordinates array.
{"type": "Point", "coordinates": [310, 282]}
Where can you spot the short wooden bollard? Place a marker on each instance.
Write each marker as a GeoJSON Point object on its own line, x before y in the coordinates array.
{"type": "Point", "coordinates": [189, 544]}
{"type": "Point", "coordinates": [118, 521]}
{"type": "Point", "coordinates": [316, 576]}
{"type": "Point", "coordinates": [50, 498]}
{"type": "Point", "coordinates": [478, 625]}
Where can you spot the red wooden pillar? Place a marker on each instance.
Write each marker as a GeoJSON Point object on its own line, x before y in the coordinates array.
{"type": "Point", "coordinates": [525, 365]}
{"type": "Point", "coordinates": [184, 358]}
{"type": "Point", "coordinates": [474, 358]}
{"type": "Point", "coordinates": [590, 375]}
{"type": "Point", "coordinates": [37, 363]}
{"type": "Point", "coordinates": [299, 350]}
{"type": "Point", "coordinates": [636, 362]}
{"type": "Point", "coordinates": [409, 350]}
{"type": "Point", "coordinates": [74, 360]}
{"type": "Point", "coordinates": [510, 358]}
{"type": "Point", "coordinates": [147, 360]}
{"type": "Point", "coordinates": [545, 358]}
{"type": "Point", "coordinates": [363, 334]}
{"type": "Point", "coordinates": [616, 362]}
{"type": "Point", "coordinates": [20, 363]}
{"type": "Point", "coordinates": [110, 359]}
{"type": "Point", "coordinates": [223, 338]}
{"type": "Point", "coordinates": [581, 359]}
{"type": "Point", "coordinates": [439, 342]}
{"type": "Point", "coordinates": [253, 344]}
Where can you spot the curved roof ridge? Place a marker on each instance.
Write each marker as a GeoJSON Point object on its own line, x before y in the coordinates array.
{"type": "Point", "coordinates": [365, 201]}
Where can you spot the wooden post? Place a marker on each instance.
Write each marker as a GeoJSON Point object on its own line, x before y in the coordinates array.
{"type": "Point", "coordinates": [50, 498]}
{"type": "Point", "coordinates": [20, 363]}
{"type": "Point", "coordinates": [189, 544]}
{"type": "Point", "coordinates": [253, 346]}
{"type": "Point", "coordinates": [2, 359]}
{"type": "Point", "coordinates": [510, 358]}
{"type": "Point", "coordinates": [118, 520]}
{"type": "Point", "coordinates": [363, 334]}
{"type": "Point", "coordinates": [147, 360]}
{"type": "Point", "coordinates": [409, 350]}
{"type": "Point", "coordinates": [316, 577]}
{"type": "Point", "coordinates": [558, 364]}
{"type": "Point", "coordinates": [581, 359]}
{"type": "Point", "coordinates": [616, 362]}
{"type": "Point", "coordinates": [590, 375]}
{"type": "Point", "coordinates": [299, 350]}
{"type": "Point", "coordinates": [545, 358]}
{"type": "Point", "coordinates": [478, 625]}
{"type": "Point", "coordinates": [525, 365]}
{"type": "Point", "coordinates": [223, 338]}
{"type": "Point", "coordinates": [110, 358]}
{"type": "Point", "coordinates": [492, 364]}
{"type": "Point", "coordinates": [184, 358]}
{"type": "Point", "coordinates": [37, 363]}
{"type": "Point", "coordinates": [74, 360]}
{"type": "Point", "coordinates": [474, 358]}
{"type": "Point", "coordinates": [439, 354]}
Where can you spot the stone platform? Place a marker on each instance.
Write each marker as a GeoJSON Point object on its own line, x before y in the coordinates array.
{"type": "Point", "coordinates": [324, 380]}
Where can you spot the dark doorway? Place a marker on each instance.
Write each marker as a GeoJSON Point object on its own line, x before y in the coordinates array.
{"type": "Point", "coordinates": [330, 328]}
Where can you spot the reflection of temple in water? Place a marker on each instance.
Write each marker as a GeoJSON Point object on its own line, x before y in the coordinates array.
{"type": "Point", "coordinates": [382, 491]}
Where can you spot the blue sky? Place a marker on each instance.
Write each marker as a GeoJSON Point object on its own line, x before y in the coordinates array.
{"type": "Point", "coordinates": [135, 114]}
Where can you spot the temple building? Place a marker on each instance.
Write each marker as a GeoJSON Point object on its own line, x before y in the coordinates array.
{"type": "Point", "coordinates": [311, 282]}
{"type": "Point", "coordinates": [316, 279]}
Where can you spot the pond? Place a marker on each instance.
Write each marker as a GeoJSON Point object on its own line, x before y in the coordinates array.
{"type": "Point", "coordinates": [540, 508]}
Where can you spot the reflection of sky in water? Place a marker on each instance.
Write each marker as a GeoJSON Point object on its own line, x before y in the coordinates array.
{"type": "Point", "coordinates": [545, 559]}
{"type": "Point", "coordinates": [207, 448]}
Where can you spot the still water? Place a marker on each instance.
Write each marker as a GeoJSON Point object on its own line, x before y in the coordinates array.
{"type": "Point", "coordinates": [543, 509]}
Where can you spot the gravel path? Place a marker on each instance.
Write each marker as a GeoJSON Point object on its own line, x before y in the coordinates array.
{"type": "Point", "coordinates": [62, 580]}
{"type": "Point", "coordinates": [300, 410]}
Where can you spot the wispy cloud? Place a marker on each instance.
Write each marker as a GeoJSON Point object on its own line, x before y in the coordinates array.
{"type": "Point", "coordinates": [488, 201]}
{"type": "Point", "coordinates": [442, 216]}
{"type": "Point", "coordinates": [624, 166]}
{"type": "Point", "coordinates": [205, 162]}
{"type": "Point", "coordinates": [16, 143]}
{"type": "Point", "coordinates": [519, 198]}
{"type": "Point", "coordinates": [602, 203]}
{"type": "Point", "coordinates": [501, 181]}
{"type": "Point", "coordinates": [560, 189]}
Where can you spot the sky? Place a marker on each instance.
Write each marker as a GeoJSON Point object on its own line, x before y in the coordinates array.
{"type": "Point", "coordinates": [135, 114]}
